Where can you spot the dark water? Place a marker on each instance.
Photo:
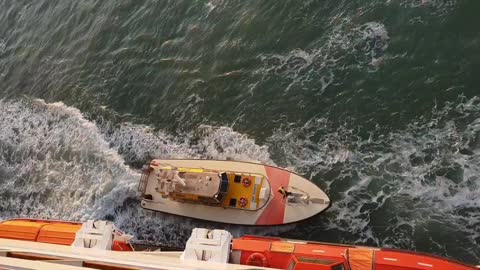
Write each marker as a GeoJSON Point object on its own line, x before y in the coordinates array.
{"type": "Point", "coordinates": [377, 101]}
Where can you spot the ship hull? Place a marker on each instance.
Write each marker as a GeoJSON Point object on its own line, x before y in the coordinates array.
{"type": "Point", "coordinates": [277, 210]}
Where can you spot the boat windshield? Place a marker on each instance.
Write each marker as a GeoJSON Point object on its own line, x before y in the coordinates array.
{"type": "Point", "coordinates": [224, 183]}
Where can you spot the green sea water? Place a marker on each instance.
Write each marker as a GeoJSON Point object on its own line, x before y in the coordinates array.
{"type": "Point", "coordinates": [376, 101]}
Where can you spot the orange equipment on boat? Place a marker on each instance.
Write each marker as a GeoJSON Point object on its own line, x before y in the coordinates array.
{"type": "Point", "coordinates": [298, 255]}
{"type": "Point", "coordinates": [246, 182]}
{"type": "Point", "coordinates": [47, 231]}
{"type": "Point", "coordinates": [257, 259]}
{"type": "Point", "coordinates": [44, 231]}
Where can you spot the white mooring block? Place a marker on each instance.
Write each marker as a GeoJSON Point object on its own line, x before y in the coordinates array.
{"type": "Point", "coordinates": [208, 245]}
{"type": "Point", "coordinates": [95, 234]}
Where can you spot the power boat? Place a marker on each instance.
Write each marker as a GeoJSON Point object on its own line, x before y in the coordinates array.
{"type": "Point", "coordinates": [232, 192]}
{"type": "Point", "coordinates": [30, 244]}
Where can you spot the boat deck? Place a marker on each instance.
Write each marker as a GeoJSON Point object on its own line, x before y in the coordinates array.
{"type": "Point", "coordinates": [200, 184]}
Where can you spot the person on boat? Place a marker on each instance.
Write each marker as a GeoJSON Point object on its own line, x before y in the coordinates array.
{"type": "Point", "coordinates": [284, 192]}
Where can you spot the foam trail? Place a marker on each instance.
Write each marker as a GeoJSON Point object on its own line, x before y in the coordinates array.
{"type": "Point", "coordinates": [139, 143]}
{"type": "Point", "coordinates": [54, 163]}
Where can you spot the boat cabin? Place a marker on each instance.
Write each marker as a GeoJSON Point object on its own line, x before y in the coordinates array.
{"type": "Point", "coordinates": [244, 191]}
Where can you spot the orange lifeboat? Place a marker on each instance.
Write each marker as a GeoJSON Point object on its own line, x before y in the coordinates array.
{"type": "Point", "coordinates": [48, 231]}
{"type": "Point", "coordinates": [295, 255]}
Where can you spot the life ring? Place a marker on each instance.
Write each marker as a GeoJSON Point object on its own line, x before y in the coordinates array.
{"type": "Point", "coordinates": [246, 182]}
{"type": "Point", "coordinates": [257, 259]}
{"type": "Point", "coordinates": [243, 202]}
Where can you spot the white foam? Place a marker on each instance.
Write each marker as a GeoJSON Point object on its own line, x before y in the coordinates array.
{"type": "Point", "coordinates": [141, 143]}
{"type": "Point", "coordinates": [386, 187]}
{"type": "Point", "coordinates": [436, 7]}
{"type": "Point", "coordinates": [56, 164]}
{"type": "Point", "coordinates": [304, 68]}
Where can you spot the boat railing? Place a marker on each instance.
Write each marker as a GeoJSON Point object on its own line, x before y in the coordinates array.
{"type": "Point", "coordinates": [142, 185]}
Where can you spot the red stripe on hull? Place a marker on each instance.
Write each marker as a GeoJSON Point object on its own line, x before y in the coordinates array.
{"type": "Point", "coordinates": [274, 212]}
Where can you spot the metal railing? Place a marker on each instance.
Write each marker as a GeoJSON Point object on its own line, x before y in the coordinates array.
{"type": "Point", "coordinates": [142, 185]}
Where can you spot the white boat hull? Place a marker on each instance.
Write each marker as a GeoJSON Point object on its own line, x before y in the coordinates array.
{"type": "Point", "coordinates": [277, 210]}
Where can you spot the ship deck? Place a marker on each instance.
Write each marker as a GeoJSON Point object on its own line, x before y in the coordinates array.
{"type": "Point", "coordinates": [25, 255]}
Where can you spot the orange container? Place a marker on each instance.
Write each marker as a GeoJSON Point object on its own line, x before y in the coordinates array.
{"type": "Point", "coordinates": [21, 229]}
{"type": "Point", "coordinates": [61, 234]}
